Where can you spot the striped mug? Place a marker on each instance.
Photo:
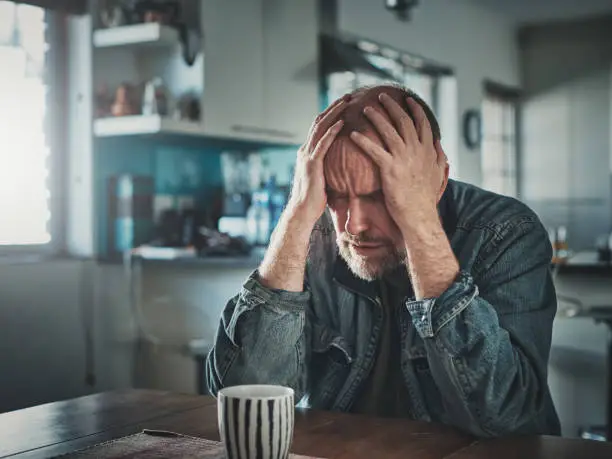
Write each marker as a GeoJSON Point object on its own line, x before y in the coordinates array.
{"type": "Point", "coordinates": [256, 421]}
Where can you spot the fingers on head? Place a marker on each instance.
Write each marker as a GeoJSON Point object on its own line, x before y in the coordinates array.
{"type": "Point", "coordinates": [325, 120]}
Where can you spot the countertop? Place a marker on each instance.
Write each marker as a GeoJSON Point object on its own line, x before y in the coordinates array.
{"type": "Point", "coordinates": [579, 263]}
{"type": "Point", "coordinates": [583, 263]}
{"type": "Point", "coordinates": [247, 261]}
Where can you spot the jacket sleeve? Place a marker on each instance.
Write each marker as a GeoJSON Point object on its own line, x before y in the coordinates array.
{"type": "Point", "coordinates": [261, 339]}
{"type": "Point", "coordinates": [488, 340]}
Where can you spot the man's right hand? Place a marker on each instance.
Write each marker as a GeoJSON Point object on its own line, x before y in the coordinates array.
{"type": "Point", "coordinates": [308, 199]}
{"type": "Point", "coordinates": [284, 264]}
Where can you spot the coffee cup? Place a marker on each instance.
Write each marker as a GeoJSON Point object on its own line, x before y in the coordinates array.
{"type": "Point", "coordinates": [256, 421]}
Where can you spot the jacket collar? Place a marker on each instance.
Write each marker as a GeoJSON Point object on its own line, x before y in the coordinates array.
{"type": "Point", "coordinates": [345, 277]}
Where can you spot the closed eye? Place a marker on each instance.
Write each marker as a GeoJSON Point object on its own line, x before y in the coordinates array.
{"type": "Point", "coordinates": [373, 197]}
{"type": "Point", "coordinates": [334, 196]}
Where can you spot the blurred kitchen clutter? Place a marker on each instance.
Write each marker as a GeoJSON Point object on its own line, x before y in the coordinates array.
{"type": "Point", "coordinates": [230, 221]}
{"type": "Point", "coordinates": [603, 245]}
{"type": "Point", "coordinates": [253, 201]}
{"type": "Point", "coordinates": [176, 14]}
{"type": "Point", "coordinates": [147, 98]}
{"type": "Point", "coordinates": [116, 13]}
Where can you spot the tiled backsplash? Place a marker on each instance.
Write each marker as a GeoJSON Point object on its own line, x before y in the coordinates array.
{"type": "Point", "coordinates": [281, 162]}
{"type": "Point", "coordinates": [185, 170]}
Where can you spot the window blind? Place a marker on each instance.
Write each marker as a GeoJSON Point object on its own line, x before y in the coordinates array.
{"type": "Point", "coordinates": [24, 152]}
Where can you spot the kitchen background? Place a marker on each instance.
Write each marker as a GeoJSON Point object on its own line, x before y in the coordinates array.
{"type": "Point", "coordinates": [182, 120]}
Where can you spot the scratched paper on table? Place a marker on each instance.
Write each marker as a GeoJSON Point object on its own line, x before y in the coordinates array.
{"type": "Point", "coordinates": [156, 445]}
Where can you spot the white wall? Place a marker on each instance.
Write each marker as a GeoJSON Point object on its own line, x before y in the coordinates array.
{"type": "Point", "coordinates": [41, 360]}
{"type": "Point", "coordinates": [566, 176]}
{"type": "Point", "coordinates": [567, 120]}
{"type": "Point", "coordinates": [529, 11]}
{"type": "Point", "coordinates": [476, 42]}
{"type": "Point", "coordinates": [43, 307]}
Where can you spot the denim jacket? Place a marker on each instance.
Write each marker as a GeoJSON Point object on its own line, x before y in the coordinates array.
{"type": "Point", "coordinates": [475, 357]}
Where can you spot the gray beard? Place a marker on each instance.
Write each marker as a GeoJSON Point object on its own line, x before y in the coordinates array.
{"type": "Point", "coordinates": [370, 269]}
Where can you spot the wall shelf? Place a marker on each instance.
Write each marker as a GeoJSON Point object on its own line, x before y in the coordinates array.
{"type": "Point", "coordinates": [137, 35]}
{"type": "Point", "coordinates": [140, 124]}
{"type": "Point", "coordinates": [242, 102]}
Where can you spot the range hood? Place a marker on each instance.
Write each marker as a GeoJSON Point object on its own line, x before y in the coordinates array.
{"type": "Point", "coordinates": [339, 56]}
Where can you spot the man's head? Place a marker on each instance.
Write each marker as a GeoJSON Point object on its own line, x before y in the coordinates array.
{"type": "Point", "coordinates": [368, 238]}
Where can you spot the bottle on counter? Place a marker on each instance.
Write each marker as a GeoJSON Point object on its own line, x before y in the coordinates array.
{"type": "Point", "coordinates": [267, 204]}
{"type": "Point", "coordinates": [604, 248]}
{"type": "Point", "coordinates": [155, 98]}
{"type": "Point", "coordinates": [258, 218]}
{"type": "Point", "coordinates": [560, 246]}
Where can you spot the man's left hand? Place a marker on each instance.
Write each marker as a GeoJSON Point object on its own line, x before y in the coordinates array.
{"type": "Point", "coordinates": [413, 167]}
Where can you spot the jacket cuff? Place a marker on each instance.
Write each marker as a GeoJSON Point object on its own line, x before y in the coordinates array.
{"type": "Point", "coordinates": [254, 293]}
{"type": "Point", "coordinates": [431, 314]}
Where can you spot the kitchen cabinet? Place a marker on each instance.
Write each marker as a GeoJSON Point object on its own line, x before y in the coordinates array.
{"type": "Point", "coordinates": [291, 83]}
{"type": "Point", "coordinates": [233, 69]}
{"type": "Point", "coordinates": [261, 69]}
{"type": "Point", "coordinates": [258, 76]}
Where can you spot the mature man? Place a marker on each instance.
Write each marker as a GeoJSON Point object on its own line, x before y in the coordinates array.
{"type": "Point", "coordinates": [390, 290]}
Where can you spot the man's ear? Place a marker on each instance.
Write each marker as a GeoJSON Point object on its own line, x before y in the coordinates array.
{"type": "Point", "coordinates": [443, 163]}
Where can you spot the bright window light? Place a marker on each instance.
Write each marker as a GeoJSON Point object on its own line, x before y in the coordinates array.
{"type": "Point", "coordinates": [24, 154]}
{"type": "Point", "coordinates": [499, 149]}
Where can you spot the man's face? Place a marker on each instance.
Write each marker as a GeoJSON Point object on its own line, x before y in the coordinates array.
{"type": "Point", "coordinates": [368, 238]}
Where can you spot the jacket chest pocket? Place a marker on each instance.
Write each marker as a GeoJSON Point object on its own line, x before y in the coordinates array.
{"type": "Point", "coordinates": [329, 367]}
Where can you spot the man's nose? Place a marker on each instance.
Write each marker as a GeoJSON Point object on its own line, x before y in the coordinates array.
{"type": "Point", "coordinates": [357, 218]}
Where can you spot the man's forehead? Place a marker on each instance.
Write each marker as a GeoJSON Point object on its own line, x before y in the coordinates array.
{"type": "Point", "coordinates": [344, 152]}
{"type": "Point", "coordinates": [349, 169]}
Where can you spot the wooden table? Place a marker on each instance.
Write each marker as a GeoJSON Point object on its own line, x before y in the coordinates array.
{"type": "Point", "coordinates": [61, 427]}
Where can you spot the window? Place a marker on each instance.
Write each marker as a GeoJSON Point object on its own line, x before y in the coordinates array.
{"type": "Point", "coordinates": [499, 158]}
{"type": "Point", "coordinates": [24, 150]}
{"type": "Point", "coordinates": [425, 86]}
